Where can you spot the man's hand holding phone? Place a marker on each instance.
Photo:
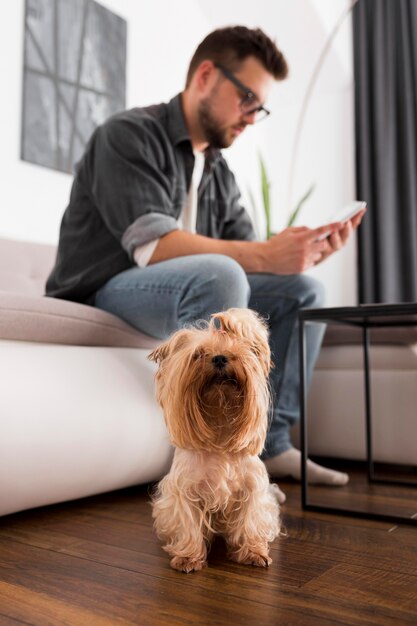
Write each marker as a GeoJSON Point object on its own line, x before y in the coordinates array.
{"type": "Point", "coordinates": [298, 248]}
{"type": "Point", "coordinates": [351, 212]}
{"type": "Point", "coordinates": [349, 219]}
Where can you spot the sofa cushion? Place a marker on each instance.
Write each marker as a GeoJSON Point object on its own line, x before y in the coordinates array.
{"type": "Point", "coordinates": [49, 320]}
{"type": "Point", "coordinates": [27, 315]}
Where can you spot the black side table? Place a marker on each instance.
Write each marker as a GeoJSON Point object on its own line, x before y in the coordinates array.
{"type": "Point", "coordinates": [365, 317]}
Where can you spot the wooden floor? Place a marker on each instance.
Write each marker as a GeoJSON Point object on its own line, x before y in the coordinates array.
{"type": "Point", "coordinates": [97, 562]}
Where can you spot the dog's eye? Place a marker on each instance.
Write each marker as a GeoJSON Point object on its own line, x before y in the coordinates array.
{"type": "Point", "coordinates": [198, 354]}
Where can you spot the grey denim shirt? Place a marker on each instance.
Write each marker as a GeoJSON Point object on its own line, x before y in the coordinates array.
{"type": "Point", "coordinates": [129, 188]}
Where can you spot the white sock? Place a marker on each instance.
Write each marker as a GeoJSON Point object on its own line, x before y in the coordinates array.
{"type": "Point", "coordinates": [289, 464]}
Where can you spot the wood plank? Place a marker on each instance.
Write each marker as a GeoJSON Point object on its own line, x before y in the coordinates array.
{"type": "Point", "coordinates": [23, 602]}
{"type": "Point", "coordinates": [356, 544]}
{"type": "Point", "coordinates": [365, 586]}
{"type": "Point", "coordinates": [75, 586]}
{"type": "Point", "coordinates": [338, 534]}
{"type": "Point", "coordinates": [237, 581]}
{"type": "Point", "coordinates": [99, 558]}
{"type": "Point", "coordinates": [5, 620]}
{"type": "Point", "coordinates": [117, 543]}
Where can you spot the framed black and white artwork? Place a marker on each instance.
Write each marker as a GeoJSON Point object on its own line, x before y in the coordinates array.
{"type": "Point", "coordinates": [74, 77]}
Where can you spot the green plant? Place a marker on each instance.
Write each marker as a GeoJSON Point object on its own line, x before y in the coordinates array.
{"type": "Point", "coordinates": [297, 209]}
{"type": "Point", "coordinates": [266, 198]}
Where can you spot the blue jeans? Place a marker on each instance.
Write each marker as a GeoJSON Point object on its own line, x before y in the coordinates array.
{"type": "Point", "coordinates": [161, 298]}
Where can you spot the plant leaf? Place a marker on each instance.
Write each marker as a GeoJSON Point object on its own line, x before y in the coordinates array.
{"type": "Point", "coordinates": [266, 196]}
{"type": "Point", "coordinates": [297, 209]}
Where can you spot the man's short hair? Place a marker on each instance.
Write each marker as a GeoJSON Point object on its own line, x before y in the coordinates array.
{"type": "Point", "coordinates": [230, 46]}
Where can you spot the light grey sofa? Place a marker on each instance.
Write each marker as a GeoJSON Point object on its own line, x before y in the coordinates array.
{"type": "Point", "coordinates": [77, 408]}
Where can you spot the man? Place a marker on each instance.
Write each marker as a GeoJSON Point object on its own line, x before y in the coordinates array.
{"type": "Point", "coordinates": [155, 234]}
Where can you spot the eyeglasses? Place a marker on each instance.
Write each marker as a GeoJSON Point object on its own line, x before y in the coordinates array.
{"type": "Point", "coordinates": [248, 100]}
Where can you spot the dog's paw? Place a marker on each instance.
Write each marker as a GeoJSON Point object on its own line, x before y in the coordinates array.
{"type": "Point", "coordinates": [252, 558]}
{"type": "Point", "coordinates": [186, 564]}
{"type": "Point", "coordinates": [258, 560]}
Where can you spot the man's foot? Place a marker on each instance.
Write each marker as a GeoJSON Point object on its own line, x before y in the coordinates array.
{"type": "Point", "coordinates": [289, 464]}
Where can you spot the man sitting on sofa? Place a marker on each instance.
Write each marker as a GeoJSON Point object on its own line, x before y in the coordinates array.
{"type": "Point", "coordinates": [154, 231]}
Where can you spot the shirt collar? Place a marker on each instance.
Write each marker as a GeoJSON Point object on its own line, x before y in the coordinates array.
{"type": "Point", "coordinates": [178, 131]}
{"type": "Point", "coordinates": [177, 128]}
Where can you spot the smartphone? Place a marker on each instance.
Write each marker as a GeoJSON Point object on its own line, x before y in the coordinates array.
{"type": "Point", "coordinates": [345, 214]}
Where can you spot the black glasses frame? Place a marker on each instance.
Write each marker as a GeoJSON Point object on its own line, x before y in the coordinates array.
{"type": "Point", "coordinates": [248, 97]}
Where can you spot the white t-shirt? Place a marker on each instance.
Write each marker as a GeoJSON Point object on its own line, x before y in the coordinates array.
{"type": "Point", "coordinates": [187, 220]}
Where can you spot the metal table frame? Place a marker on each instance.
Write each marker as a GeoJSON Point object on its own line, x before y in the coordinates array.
{"type": "Point", "coordinates": [365, 317]}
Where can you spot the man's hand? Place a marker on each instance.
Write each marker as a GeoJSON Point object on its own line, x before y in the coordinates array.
{"type": "Point", "coordinates": [297, 248]}
{"type": "Point", "coordinates": [338, 239]}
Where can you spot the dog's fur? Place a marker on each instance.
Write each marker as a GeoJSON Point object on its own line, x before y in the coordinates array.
{"type": "Point", "coordinates": [216, 412]}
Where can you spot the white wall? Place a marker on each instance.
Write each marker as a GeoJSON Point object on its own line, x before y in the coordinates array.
{"type": "Point", "coordinates": [161, 38]}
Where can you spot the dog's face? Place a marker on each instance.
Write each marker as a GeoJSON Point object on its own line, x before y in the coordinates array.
{"type": "Point", "coordinates": [212, 383]}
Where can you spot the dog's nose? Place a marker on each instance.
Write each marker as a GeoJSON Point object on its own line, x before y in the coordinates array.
{"type": "Point", "coordinates": [219, 361]}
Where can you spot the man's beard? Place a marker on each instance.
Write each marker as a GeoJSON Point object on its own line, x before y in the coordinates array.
{"type": "Point", "coordinates": [216, 136]}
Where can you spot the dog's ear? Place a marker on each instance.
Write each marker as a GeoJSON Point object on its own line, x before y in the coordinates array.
{"type": "Point", "coordinates": [160, 353]}
{"type": "Point", "coordinates": [175, 343]}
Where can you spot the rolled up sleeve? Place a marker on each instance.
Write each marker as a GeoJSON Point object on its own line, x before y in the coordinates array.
{"type": "Point", "coordinates": [133, 181]}
{"type": "Point", "coordinates": [147, 228]}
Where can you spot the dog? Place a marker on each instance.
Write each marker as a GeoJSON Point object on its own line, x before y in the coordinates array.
{"type": "Point", "coordinates": [212, 384]}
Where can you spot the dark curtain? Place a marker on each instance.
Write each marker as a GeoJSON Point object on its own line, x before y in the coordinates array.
{"type": "Point", "coordinates": [385, 66]}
